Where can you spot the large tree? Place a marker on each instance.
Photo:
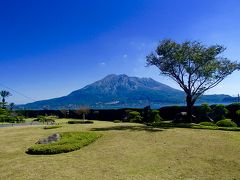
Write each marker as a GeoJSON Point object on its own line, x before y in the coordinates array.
{"type": "Point", "coordinates": [195, 67]}
{"type": "Point", "coordinates": [4, 94]}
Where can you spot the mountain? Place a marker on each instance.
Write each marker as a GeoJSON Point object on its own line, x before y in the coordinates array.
{"type": "Point", "coordinates": [119, 91]}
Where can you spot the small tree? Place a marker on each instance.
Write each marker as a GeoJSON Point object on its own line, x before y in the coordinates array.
{"type": "Point", "coordinates": [64, 112]}
{"type": "Point", "coordinates": [11, 106]}
{"type": "Point", "coordinates": [134, 116]}
{"type": "Point", "coordinates": [150, 115]}
{"type": "Point", "coordinates": [4, 94]}
{"type": "Point", "coordinates": [195, 67]}
{"type": "Point", "coordinates": [154, 116]}
{"type": "Point", "coordinates": [204, 111]}
{"type": "Point", "coordinates": [83, 111]}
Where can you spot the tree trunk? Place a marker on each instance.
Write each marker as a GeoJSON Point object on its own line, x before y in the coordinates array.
{"type": "Point", "coordinates": [189, 107]}
{"type": "Point", "coordinates": [3, 103]}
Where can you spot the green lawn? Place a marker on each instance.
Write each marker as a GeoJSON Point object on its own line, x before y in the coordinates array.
{"type": "Point", "coordinates": [125, 151]}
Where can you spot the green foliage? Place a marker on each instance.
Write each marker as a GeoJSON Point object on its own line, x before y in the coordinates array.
{"type": "Point", "coordinates": [154, 116]}
{"type": "Point", "coordinates": [40, 118]}
{"type": "Point", "coordinates": [134, 116]}
{"type": "Point", "coordinates": [150, 116]}
{"type": "Point", "coordinates": [226, 123]}
{"type": "Point", "coordinates": [7, 118]}
{"type": "Point", "coordinates": [10, 117]}
{"type": "Point", "coordinates": [233, 114]}
{"type": "Point", "coordinates": [46, 118]}
{"type": "Point", "coordinates": [219, 112]}
{"type": "Point", "coordinates": [238, 114]}
{"type": "Point", "coordinates": [204, 111]}
{"type": "Point", "coordinates": [4, 112]}
{"type": "Point", "coordinates": [20, 119]}
{"type": "Point", "coordinates": [52, 127]}
{"type": "Point", "coordinates": [205, 108]}
{"type": "Point", "coordinates": [80, 122]}
{"type": "Point", "coordinates": [117, 121]}
{"type": "Point", "coordinates": [207, 124]}
{"type": "Point", "coordinates": [192, 59]}
{"type": "Point", "coordinates": [70, 141]}
{"type": "Point", "coordinates": [194, 66]}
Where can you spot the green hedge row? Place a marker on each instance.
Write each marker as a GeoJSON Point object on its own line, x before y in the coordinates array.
{"type": "Point", "coordinates": [80, 122]}
{"type": "Point", "coordinates": [52, 127]}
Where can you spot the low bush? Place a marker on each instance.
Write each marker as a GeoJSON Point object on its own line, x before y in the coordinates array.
{"type": "Point", "coordinates": [52, 127]}
{"type": "Point", "coordinates": [70, 141]}
{"type": "Point", "coordinates": [80, 122]}
{"type": "Point", "coordinates": [207, 124]}
{"type": "Point", "coordinates": [117, 121]}
{"type": "Point", "coordinates": [226, 123]}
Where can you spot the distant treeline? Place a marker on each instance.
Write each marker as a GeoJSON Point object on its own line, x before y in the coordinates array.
{"type": "Point", "coordinates": [167, 113]}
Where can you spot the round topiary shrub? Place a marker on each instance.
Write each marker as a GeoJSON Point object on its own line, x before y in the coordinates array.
{"type": "Point", "coordinates": [207, 124]}
{"type": "Point", "coordinates": [69, 141]}
{"type": "Point", "coordinates": [226, 123]}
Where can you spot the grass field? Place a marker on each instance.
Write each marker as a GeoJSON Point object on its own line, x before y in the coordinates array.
{"type": "Point", "coordinates": [126, 151]}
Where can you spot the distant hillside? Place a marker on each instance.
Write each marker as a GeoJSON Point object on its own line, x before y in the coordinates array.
{"type": "Point", "coordinates": [119, 91]}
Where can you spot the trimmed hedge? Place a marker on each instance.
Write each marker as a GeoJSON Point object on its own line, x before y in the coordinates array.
{"type": "Point", "coordinates": [207, 124]}
{"type": "Point", "coordinates": [52, 127]}
{"type": "Point", "coordinates": [80, 122]}
{"type": "Point", "coordinates": [226, 123]}
{"type": "Point", "coordinates": [191, 125]}
{"type": "Point", "coordinates": [70, 141]}
{"type": "Point", "coordinates": [117, 121]}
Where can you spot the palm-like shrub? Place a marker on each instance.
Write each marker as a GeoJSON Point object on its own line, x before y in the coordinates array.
{"type": "Point", "coordinates": [4, 94]}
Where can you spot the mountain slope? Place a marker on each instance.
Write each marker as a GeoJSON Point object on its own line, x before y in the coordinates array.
{"type": "Point", "coordinates": [118, 91]}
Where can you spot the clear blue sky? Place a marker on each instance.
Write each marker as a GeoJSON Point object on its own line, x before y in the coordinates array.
{"type": "Point", "coordinates": [50, 48]}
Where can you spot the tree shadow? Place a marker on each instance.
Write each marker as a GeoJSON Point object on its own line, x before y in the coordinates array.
{"type": "Point", "coordinates": [126, 127]}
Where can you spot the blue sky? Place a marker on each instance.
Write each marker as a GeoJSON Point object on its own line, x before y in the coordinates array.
{"type": "Point", "coordinates": [50, 48]}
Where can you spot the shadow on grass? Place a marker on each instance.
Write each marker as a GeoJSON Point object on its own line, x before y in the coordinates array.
{"type": "Point", "coordinates": [167, 125]}
{"type": "Point", "coordinates": [131, 128]}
